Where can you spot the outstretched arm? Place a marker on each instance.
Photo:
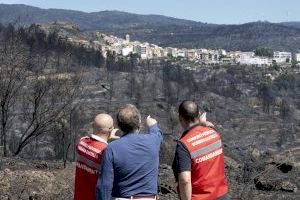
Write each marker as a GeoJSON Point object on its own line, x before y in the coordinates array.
{"type": "Point", "coordinates": [153, 127]}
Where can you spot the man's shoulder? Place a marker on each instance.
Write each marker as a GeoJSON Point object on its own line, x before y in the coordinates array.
{"type": "Point", "coordinates": [198, 130]}
{"type": "Point", "coordinates": [84, 138]}
{"type": "Point", "coordinates": [181, 146]}
{"type": "Point", "coordinates": [115, 143]}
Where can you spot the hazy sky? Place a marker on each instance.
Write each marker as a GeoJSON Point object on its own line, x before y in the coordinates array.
{"type": "Point", "coordinates": [211, 11]}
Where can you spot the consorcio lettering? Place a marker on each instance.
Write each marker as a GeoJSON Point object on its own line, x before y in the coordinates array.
{"type": "Point", "coordinates": [209, 156]}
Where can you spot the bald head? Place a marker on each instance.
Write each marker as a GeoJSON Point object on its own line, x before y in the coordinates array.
{"type": "Point", "coordinates": [129, 118]}
{"type": "Point", "coordinates": [189, 111]}
{"type": "Point", "coordinates": [103, 123]}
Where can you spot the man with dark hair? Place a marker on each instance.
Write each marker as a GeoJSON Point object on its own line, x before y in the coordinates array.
{"type": "Point", "coordinates": [189, 110]}
{"type": "Point", "coordinates": [199, 160]}
{"type": "Point", "coordinates": [130, 165]}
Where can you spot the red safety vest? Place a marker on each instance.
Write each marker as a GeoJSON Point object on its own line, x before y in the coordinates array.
{"type": "Point", "coordinates": [89, 151]}
{"type": "Point", "coordinates": [207, 175]}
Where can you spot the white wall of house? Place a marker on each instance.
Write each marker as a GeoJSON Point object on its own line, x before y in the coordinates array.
{"type": "Point", "coordinates": [253, 60]}
{"type": "Point", "coordinates": [282, 57]}
{"type": "Point", "coordinates": [126, 51]}
{"type": "Point", "coordinates": [297, 57]}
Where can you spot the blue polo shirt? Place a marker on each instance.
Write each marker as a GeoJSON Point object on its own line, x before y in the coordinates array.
{"type": "Point", "coordinates": [130, 166]}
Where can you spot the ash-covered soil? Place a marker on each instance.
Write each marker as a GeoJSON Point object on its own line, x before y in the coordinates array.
{"type": "Point", "coordinates": [24, 179]}
{"type": "Point", "coordinates": [49, 180]}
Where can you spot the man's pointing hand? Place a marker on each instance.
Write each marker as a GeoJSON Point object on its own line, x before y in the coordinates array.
{"type": "Point", "coordinates": [150, 121]}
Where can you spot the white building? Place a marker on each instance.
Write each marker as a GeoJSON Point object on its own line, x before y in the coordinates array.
{"type": "Point", "coordinates": [213, 56]}
{"type": "Point", "coordinates": [181, 53]}
{"type": "Point", "coordinates": [127, 38]}
{"type": "Point", "coordinates": [255, 60]}
{"type": "Point", "coordinates": [249, 58]}
{"type": "Point", "coordinates": [191, 54]}
{"type": "Point", "coordinates": [297, 57]}
{"type": "Point", "coordinates": [169, 51]}
{"type": "Point", "coordinates": [146, 52]}
{"type": "Point", "coordinates": [127, 50]}
{"type": "Point", "coordinates": [202, 54]}
{"type": "Point", "coordinates": [137, 49]}
{"type": "Point", "coordinates": [282, 57]}
{"type": "Point", "coordinates": [245, 54]}
{"type": "Point", "coordinates": [158, 52]}
{"type": "Point", "coordinates": [222, 52]}
{"type": "Point", "coordinates": [208, 56]}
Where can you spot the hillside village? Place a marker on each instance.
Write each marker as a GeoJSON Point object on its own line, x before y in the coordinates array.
{"type": "Point", "coordinates": [145, 50]}
{"type": "Point", "coordinates": [125, 47]}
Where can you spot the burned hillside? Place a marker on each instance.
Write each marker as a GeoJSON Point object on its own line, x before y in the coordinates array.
{"type": "Point", "coordinates": [256, 109]}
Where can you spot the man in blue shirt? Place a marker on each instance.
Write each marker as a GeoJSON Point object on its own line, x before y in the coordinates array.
{"type": "Point", "coordinates": [130, 165]}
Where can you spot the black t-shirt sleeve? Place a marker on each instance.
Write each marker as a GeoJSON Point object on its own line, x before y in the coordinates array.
{"type": "Point", "coordinates": [182, 161]}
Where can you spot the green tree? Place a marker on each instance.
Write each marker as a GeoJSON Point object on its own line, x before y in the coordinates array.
{"type": "Point", "coordinates": [266, 52]}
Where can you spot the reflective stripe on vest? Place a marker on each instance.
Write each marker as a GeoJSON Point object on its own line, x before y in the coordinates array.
{"type": "Point", "coordinates": [206, 149]}
{"type": "Point", "coordinates": [85, 160]}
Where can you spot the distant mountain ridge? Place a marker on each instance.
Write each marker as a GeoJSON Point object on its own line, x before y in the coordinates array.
{"type": "Point", "coordinates": [165, 31]}
{"type": "Point", "coordinates": [292, 24]}
{"type": "Point", "coordinates": [87, 21]}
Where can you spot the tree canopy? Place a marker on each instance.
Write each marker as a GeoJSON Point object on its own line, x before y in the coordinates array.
{"type": "Point", "coordinates": [266, 52]}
